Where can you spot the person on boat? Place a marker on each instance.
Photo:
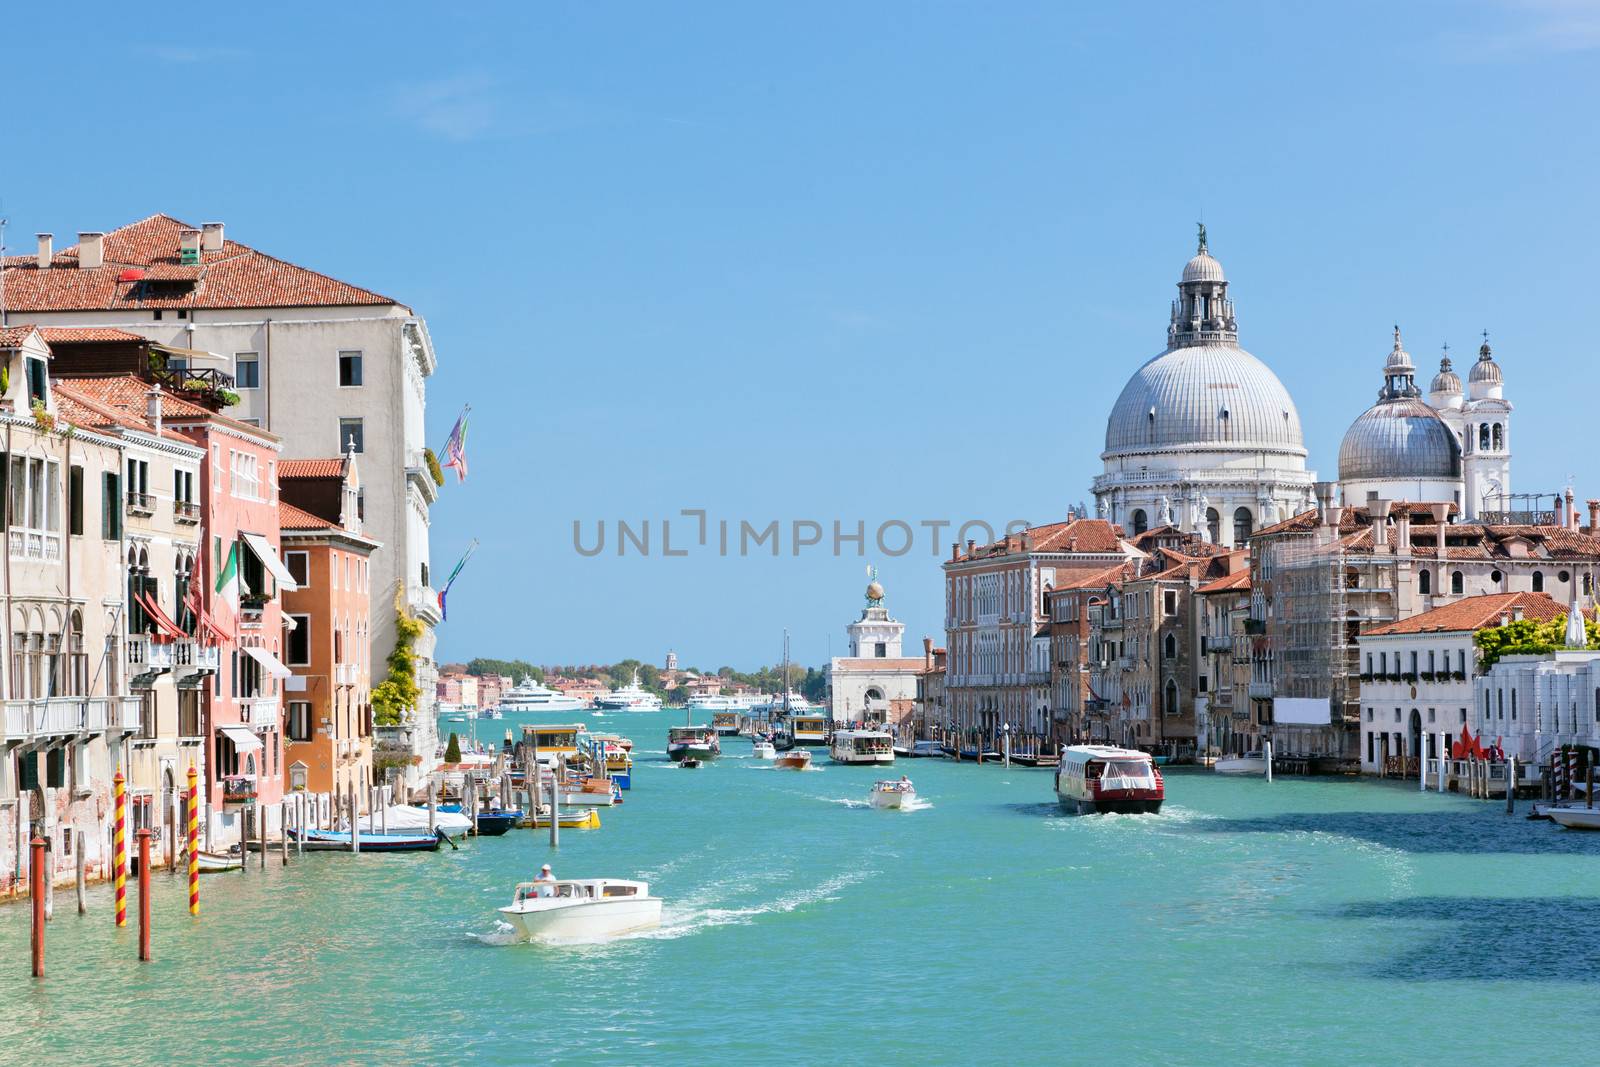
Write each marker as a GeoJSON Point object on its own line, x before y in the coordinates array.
{"type": "Point", "coordinates": [545, 875]}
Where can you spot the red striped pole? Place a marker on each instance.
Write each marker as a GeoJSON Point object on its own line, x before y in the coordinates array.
{"type": "Point", "coordinates": [37, 876]}
{"type": "Point", "coordinates": [119, 845]}
{"type": "Point", "coordinates": [144, 893]}
{"type": "Point", "coordinates": [194, 845]}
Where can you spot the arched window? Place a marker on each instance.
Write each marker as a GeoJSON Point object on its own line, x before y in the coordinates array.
{"type": "Point", "coordinates": [1538, 581]}
{"type": "Point", "coordinates": [1425, 581]}
{"type": "Point", "coordinates": [1483, 435]}
{"type": "Point", "coordinates": [1513, 704]}
{"type": "Point", "coordinates": [1457, 583]}
{"type": "Point", "coordinates": [1141, 522]}
{"type": "Point", "coordinates": [1172, 697]}
{"type": "Point", "coordinates": [1499, 437]}
{"type": "Point", "coordinates": [1243, 523]}
{"type": "Point", "coordinates": [1172, 647]}
{"type": "Point", "coordinates": [1213, 525]}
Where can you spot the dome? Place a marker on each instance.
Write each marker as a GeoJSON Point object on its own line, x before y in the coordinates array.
{"type": "Point", "coordinates": [1486, 369]}
{"type": "Point", "coordinates": [1447, 380]}
{"type": "Point", "coordinates": [1203, 268]}
{"type": "Point", "coordinates": [1399, 438]}
{"type": "Point", "coordinates": [1207, 397]}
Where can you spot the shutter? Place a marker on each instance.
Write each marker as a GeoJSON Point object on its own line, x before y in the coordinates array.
{"type": "Point", "coordinates": [27, 772]}
{"type": "Point", "coordinates": [75, 501]}
{"type": "Point", "coordinates": [55, 763]}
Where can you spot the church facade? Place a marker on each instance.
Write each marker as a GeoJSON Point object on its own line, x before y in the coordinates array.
{"type": "Point", "coordinates": [876, 682]}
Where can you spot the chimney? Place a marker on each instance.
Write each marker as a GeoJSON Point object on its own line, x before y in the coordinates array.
{"type": "Point", "coordinates": [1025, 541]}
{"type": "Point", "coordinates": [1594, 515]}
{"type": "Point", "coordinates": [971, 544]}
{"type": "Point", "coordinates": [1572, 510]}
{"type": "Point", "coordinates": [1441, 516]}
{"type": "Point", "coordinates": [955, 551]}
{"type": "Point", "coordinates": [211, 239]}
{"type": "Point", "coordinates": [1516, 613]}
{"type": "Point", "coordinates": [45, 250]}
{"type": "Point", "coordinates": [152, 408]}
{"type": "Point", "coordinates": [189, 247]}
{"type": "Point", "coordinates": [91, 250]}
{"type": "Point", "coordinates": [1379, 512]}
{"type": "Point", "coordinates": [1402, 528]}
{"type": "Point", "coordinates": [927, 653]}
{"type": "Point", "coordinates": [1325, 510]}
{"type": "Point", "coordinates": [1072, 543]}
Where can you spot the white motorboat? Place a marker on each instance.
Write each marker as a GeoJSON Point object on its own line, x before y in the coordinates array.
{"type": "Point", "coordinates": [861, 746]}
{"type": "Point", "coordinates": [1249, 763]}
{"type": "Point", "coordinates": [591, 793]}
{"type": "Point", "coordinates": [629, 698]}
{"type": "Point", "coordinates": [1574, 817]}
{"type": "Point", "coordinates": [763, 750]}
{"type": "Point", "coordinates": [582, 908]}
{"type": "Point", "coordinates": [529, 696]}
{"type": "Point", "coordinates": [893, 793]}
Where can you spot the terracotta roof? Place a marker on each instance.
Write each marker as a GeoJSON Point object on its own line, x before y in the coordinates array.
{"type": "Point", "coordinates": [1474, 613]}
{"type": "Point", "coordinates": [1239, 579]}
{"type": "Point", "coordinates": [80, 404]}
{"type": "Point", "coordinates": [293, 518]}
{"type": "Point", "coordinates": [237, 276]}
{"type": "Point", "coordinates": [128, 394]}
{"type": "Point", "coordinates": [83, 334]}
{"type": "Point", "coordinates": [1076, 535]}
{"type": "Point", "coordinates": [14, 336]}
{"type": "Point", "coordinates": [1092, 579]}
{"type": "Point", "coordinates": [311, 468]}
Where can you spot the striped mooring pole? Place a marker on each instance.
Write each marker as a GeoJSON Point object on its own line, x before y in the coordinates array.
{"type": "Point", "coordinates": [119, 844]}
{"type": "Point", "coordinates": [194, 844]}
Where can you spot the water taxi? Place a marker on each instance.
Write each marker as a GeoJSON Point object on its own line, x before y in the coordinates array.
{"type": "Point", "coordinates": [861, 746]}
{"type": "Point", "coordinates": [892, 793]}
{"type": "Point", "coordinates": [761, 748]}
{"type": "Point", "coordinates": [796, 759]}
{"type": "Point", "coordinates": [582, 908]}
{"type": "Point", "coordinates": [699, 742]}
{"type": "Point", "coordinates": [1099, 778]}
{"type": "Point", "coordinates": [1249, 763]}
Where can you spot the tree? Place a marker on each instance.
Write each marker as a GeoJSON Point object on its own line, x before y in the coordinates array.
{"type": "Point", "coordinates": [452, 751]}
{"type": "Point", "coordinates": [515, 669]}
{"type": "Point", "coordinates": [1527, 637]}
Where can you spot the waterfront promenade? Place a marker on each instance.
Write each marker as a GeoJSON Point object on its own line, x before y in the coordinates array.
{"type": "Point", "coordinates": [1348, 921]}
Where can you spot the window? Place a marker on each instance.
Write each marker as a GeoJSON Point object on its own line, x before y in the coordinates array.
{"type": "Point", "coordinates": [1242, 523]}
{"type": "Point", "coordinates": [35, 517]}
{"type": "Point", "coordinates": [1171, 647]}
{"type": "Point", "coordinates": [1141, 523]}
{"type": "Point", "coordinates": [1213, 525]}
{"type": "Point", "coordinates": [1425, 582]}
{"type": "Point", "coordinates": [1169, 601]}
{"type": "Point", "coordinates": [349, 368]}
{"type": "Point", "coordinates": [247, 370]}
{"type": "Point", "coordinates": [299, 564]}
{"type": "Point", "coordinates": [1457, 583]}
{"type": "Point", "coordinates": [75, 501]}
{"type": "Point", "coordinates": [37, 381]}
{"type": "Point", "coordinates": [1538, 581]}
{"type": "Point", "coordinates": [139, 484]}
{"type": "Point", "coordinates": [244, 475]}
{"type": "Point", "coordinates": [299, 720]}
{"type": "Point", "coordinates": [880, 650]}
{"type": "Point", "coordinates": [351, 435]}
{"type": "Point", "coordinates": [299, 642]}
{"type": "Point", "coordinates": [188, 713]}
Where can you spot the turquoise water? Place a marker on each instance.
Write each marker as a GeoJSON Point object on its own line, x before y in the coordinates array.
{"type": "Point", "coordinates": [1302, 922]}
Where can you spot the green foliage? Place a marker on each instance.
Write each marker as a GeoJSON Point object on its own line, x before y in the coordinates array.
{"type": "Point", "coordinates": [515, 669]}
{"type": "Point", "coordinates": [435, 471]}
{"type": "Point", "coordinates": [42, 418]}
{"type": "Point", "coordinates": [452, 751]}
{"type": "Point", "coordinates": [398, 691]}
{"type": "Point", "coordinates": [228, 397]}
{"type": "Point", "coordinates": [1527, 637]}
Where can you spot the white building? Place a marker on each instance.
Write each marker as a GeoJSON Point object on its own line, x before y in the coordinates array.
{"type": "Point", "coordinates": [1204, 436]}
{"type": "Point", "coordinates": [1537, 705]}
{"type": "Point", "coordinates": [875, 682]}
{"type": "Point", "coordinates": [1482, 425]}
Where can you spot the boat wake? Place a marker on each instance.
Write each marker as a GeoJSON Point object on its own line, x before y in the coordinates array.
{"type": "Point", "coordinates": [502, 934]}
{"type": "Point", "coordinates": [676, 923]}
{"type": "Point", "coordinates": [845, 801]}
{"type": "Point", "coordinates": [916, 804]}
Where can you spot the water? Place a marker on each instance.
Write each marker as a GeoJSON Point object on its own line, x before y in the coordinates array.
{"type": "Point", "coordinates": [1306, 922]}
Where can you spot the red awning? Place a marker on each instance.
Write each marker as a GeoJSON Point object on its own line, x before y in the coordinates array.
{"type": "Point", "coordinates": [166, 626]}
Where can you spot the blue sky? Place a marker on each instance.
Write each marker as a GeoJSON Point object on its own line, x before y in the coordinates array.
{"type": "Point", "coordinates": [843, 261]}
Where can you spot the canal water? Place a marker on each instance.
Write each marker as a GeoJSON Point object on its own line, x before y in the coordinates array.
{"type": "Point", "coordinates": [1306, 921]}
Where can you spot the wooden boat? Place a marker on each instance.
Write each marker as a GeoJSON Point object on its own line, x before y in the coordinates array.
{"type": "Point", "coordinates": [892, 793]}
{"type": "Point", "coordinates": [213, 862]}
{"type": "Point", "coordinates": [920, 750]}
{"type": "Point", "coordinates": [1035, 759]}
{"type": "Point", "coordinates": [589, 793]}
{"type": "Point", "coordinates": [586, 908]}
{"type": "Point", "coordinates": [583, 819]}
{"type": "Point", "coordinates": [339, 841]}
{"type": "Point", "coordinates": [796, 759]}
{"type": "Point", "coordinates": [496, 822]}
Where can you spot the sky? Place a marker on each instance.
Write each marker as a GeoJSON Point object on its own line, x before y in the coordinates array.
{"type": "Point", "coordinates": [854, 263]}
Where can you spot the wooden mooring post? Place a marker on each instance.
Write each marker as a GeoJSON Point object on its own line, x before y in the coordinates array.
{"type": "Point", "coordinates": [77, 854]}
{"type": "Point", "coordinates": [36, 880]}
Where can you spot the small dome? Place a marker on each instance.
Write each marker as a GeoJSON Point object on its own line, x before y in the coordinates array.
{"type": "Point", "coordinates": [1447, 380]}
{"type": "Point", "coordinates": [874, 590]}
{"type": "Point", "coordinates": [1486, 369]}
{"type": "Point", "coordinates": [1203, 268]}
{"type": "Point", "coordinates": [1399, 438]}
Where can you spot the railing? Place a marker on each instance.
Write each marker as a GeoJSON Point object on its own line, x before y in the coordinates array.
{"type": "Point", "coordinates": [141, 504]}
{"type": "Point", "coordinates": [1216, 644]}
{"type": "Point", "coordinates": [144, 651]}
{"type": "Point", "coordinates": [424, 600]}
{"type": "Point", "coordinates": [193, 379]}
{"type": "Point", "coordinates": [199, 656]}
{"type": "Point", "coordinates": [35, 545]}
{"type": "Point", "coordinates": [238, 789]}
{"type": "Point", "coordinates": [344, 674]}
{"type": "Point", "coordinates": [258, 711]}
{"type": "Point", "coordinates": [1260, 689]}
{"type": "Point", "coordinates": [185, 511]}
{"type": "Point", "coordinates": [28, 720]}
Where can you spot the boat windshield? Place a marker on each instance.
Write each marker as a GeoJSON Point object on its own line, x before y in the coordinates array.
{"type": "Point", "coordinates": [1127, 769]}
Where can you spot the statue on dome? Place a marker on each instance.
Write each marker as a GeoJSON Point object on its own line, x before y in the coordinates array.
{"type": "Point", "coordinates": [1202, 250]}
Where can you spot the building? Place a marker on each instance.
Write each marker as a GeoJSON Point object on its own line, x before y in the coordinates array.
{"type": "Point", "coordinates": [1224, 715]}
{"type": "Point", "coordinates": [328, 712]}
{"type": "Point", "coordinates": [928, 708]}
{"type": "Point", "coordinates": [1481, 421]}
{"type": "Point", "coordinates": [1073, 701]}
{"type": "Point", "coordinates": [1401, 448]}
{"type": "Point", "coordinates": [998, 647]}
{"type": "Point", "coordinates": [319, 363]}
{"type": "Point", "coordinates": [1204, 436]}
{"type": "Point", "coordinates": [875, 683]}
{"type": "Point", "coordinates": [1540, 707]}
{"type": "Point", "coordinates": [65, 718]}
{"type": "Point", "coordinates": [1418, 677]}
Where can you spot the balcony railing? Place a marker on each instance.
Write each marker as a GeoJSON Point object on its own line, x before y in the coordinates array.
{"type": "Point", "coordinates": [259, 711]}
{"type": "Point", "coordinates": [141, 504]}
{"type": "Point", "coordinates": [35, 545]}
{"type": "Point", "coordinates": [1260, 690]}
{"type": "Point", "coordinates": [196, 656]}
{"type": "Point", "coordinates": [145, 653]}
{"type": "Point", "coordinates": [32, 720]}
{"type": "Point", "coordinates": [185, 511]}
{"type": "Point", "coordinates": [238, 789]}
{"type": "Point", "coordinates": [1217, 644]}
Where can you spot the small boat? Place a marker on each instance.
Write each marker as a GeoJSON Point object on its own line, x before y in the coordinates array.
{"type": "Point", "coordinates": [1036, 759]}
{"type": "Point", "coordinates": [1096, 779]}
{"type": "Point", "coordinates": [339, 841]}
{"type": "Point", "coordinates": [893, 793]}
{"type": "Point", "coordinates": [1161, 761]}
{"type": "Point", "coordinates": [212, 862]}
{"type": "Point", "coordinates": [762, 749]}
{"type": "Point", "coordinates": [582, 908]}
{"type": "Point", "coordinates": [582, 819]}
{"type": "Point", "coordinates": [590, 793]}
{"type": "Point", "coordinates": [919, 750]}
{"type": "Point", "coordinates": [699, 742]}
{"type": "Point", "coordinates": [689, 763]}
{"type": "Point", "coordinates": [1574, 817]}
{"type": "Point", "coordinates": [1249, 763]}
{"type": "Point", "coordinates": [490, 713]}
{"type": "Point", "coordinates": [456, 718]}
{"type": "Point", "coordinates": [496, 821]}
{"type": "Point", "coordinates": [796, 759]}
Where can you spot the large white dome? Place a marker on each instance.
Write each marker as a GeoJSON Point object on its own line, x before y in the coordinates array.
{"type": "Point", "coordinates": [1210, 397]}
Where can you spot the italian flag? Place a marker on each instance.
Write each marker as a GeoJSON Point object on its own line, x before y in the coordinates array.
{"type": "Point", "coordinates": [229, 584]}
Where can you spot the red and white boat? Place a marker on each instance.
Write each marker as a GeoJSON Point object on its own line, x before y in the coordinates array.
{"type": "Point", "coordinates": [1097, 779]}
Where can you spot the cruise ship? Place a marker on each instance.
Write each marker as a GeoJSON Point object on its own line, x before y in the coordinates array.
{"type": "Point", "coordinates": [629, 698]}
{"type": "Point", "coordinates": [529, 696]}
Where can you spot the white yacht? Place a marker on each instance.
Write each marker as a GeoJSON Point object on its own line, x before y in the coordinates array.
{"type": "Point", "coordinates": [861, 746]}
{"type": "Point", "coordinates": [529, 696]}
{"type": "Point", "coordinates": [629, 698]}
{"type": "Point", "coordinates": [582, 908]}
{"type": "Point", "coordinates": [715, 703]}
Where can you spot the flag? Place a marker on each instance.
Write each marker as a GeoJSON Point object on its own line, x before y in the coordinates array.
{"type": "Point", "coordinates": [455, 449]}
{"type": "Point", "coordinates": [448, 582]}
{"type": "Point", "coordinates": [229, 584]}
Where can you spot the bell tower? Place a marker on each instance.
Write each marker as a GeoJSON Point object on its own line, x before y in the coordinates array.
{"type": "Point", "coordinates": [1486, 438]}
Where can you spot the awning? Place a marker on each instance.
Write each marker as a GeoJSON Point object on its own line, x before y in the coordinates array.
{"type": "Point", "coordinates": [268, 661]}
{"type": "Point", "coordinates": [263, 551]}
{"type": "Point", "coordinates": [244, 740]}
{"type": "Point", "coordinates": [163, 623]}
{"type": "Point", "coordinates": [191, 353]}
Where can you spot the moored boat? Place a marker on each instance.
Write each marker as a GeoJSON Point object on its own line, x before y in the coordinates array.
{"type": "Point", "coordinates": [861, 746]}
{"type": "Point", "coordinates": [1574, 817]}
{"type": "Point", "coordinates": [920, 750]}
{"type": "Point", "coordinates": [893, 793]}
{"type": "Point", "coordinates": [576, 819]}
{"type": "Point", "coordinates": [726, 723]}
{"type": "Point", "coordinates": [339, 841]}
{"type": "Point", "coordinates": [1249, 763]}
{"type": "Point", "coordinates": [1102, 779]}
{"type": "Point", "coordinates": [631, 697]}
{"type": "Point", "coordinates": [213, 862]}
{"type": "Point", "coordinates": [796, 759]}
{"type": "Point", "coordinates": [582, 908]}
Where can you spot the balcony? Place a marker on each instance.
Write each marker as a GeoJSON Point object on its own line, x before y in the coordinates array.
{"type": "Point", "coordinates": [1260, 690]}
{"type": "Point", "coordinates": [147, 654]}
{"type": "Point", "coordinates": [424, 600]}
{"type": "Point", "coordinates": [252, 607]}
{"type": "Point", "coordinates": [195, 656]}
{"type": "Point", "coordinates": [205, 385]}
{"type": "Point", "coordinates": [258, 711]}
{"type": "Point", "coordinates": [36, 720]}
{"type": "Point", "coordinates": [344, 674]}
{"type": "Point", "coordinates": [1216, 644]}
{"type": "Point", "coordinates": [186, 511]}
{"type": "Point", "coordinates": [35, 546]}
{"type": "Point", "coordinates": [239, 789]}
{"type": "Point", "coordinates": [142, 504]}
